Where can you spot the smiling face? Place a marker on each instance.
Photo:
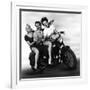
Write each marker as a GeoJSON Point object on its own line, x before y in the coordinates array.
{"type": "Point", "coordinates": [28, 28]}
{"type": "Point", "coordinates": [45, 23]}
{"type": "Point", "coordinates": [38, 25]}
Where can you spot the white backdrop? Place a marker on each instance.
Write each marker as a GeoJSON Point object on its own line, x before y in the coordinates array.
{"type": "Point", "coordinates": [5, 45]}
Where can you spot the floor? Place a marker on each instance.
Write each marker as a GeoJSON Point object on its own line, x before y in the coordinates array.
{"type": "Point", "coordinates": [59, 70]}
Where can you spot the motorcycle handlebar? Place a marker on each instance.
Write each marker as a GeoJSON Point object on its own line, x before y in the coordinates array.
{"type": "Point", "coordinates": [62, 32]}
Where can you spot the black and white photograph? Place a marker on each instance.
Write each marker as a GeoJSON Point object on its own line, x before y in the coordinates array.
{"type": "Point", "coordinates": [50, 43]}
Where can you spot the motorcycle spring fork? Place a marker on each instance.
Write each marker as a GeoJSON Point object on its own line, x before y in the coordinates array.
{"type": "Point", "coordinates": [59, 56]}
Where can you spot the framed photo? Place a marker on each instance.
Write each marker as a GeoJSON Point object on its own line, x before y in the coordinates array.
{"type": "Point", "coordinates": [48, 44]}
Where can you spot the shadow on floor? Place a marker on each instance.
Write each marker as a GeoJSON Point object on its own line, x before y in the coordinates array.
{"type": "Point", "coordinates": [59, 70]}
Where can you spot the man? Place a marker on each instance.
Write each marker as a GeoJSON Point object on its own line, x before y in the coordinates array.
{"type": "Point", "coordinates": [38, 35]}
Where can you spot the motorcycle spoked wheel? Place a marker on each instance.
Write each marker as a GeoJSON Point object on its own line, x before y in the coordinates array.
{"type": "Point", "coordinates": [70, 59]}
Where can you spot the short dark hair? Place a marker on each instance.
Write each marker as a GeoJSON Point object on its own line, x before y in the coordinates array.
{"type": "Point", "coordinates": [38, 22]}
{"type": "Point", "coordinates": [44, 19]}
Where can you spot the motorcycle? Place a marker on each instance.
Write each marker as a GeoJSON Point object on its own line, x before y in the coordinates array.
{"type": "Point", "coordinates": [60, 54]}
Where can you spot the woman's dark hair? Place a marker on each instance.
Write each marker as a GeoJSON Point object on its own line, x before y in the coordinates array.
{"type": "Point", "coordinates": [44, 19]}
{"type": "Point", "coordinates": [38, 22]}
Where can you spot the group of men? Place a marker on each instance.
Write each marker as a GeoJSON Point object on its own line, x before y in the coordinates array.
{"type": "Point", "coordinates": [44, 29]}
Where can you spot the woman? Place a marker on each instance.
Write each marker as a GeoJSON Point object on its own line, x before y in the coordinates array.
{"type": "Point", "coordinates": [48, 30]}
{"type": "Point", "coordinates": [30, 40]}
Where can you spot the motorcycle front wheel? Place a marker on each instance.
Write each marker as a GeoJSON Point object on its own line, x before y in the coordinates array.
{"type": "Point", "coordinates": [70, 59]}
